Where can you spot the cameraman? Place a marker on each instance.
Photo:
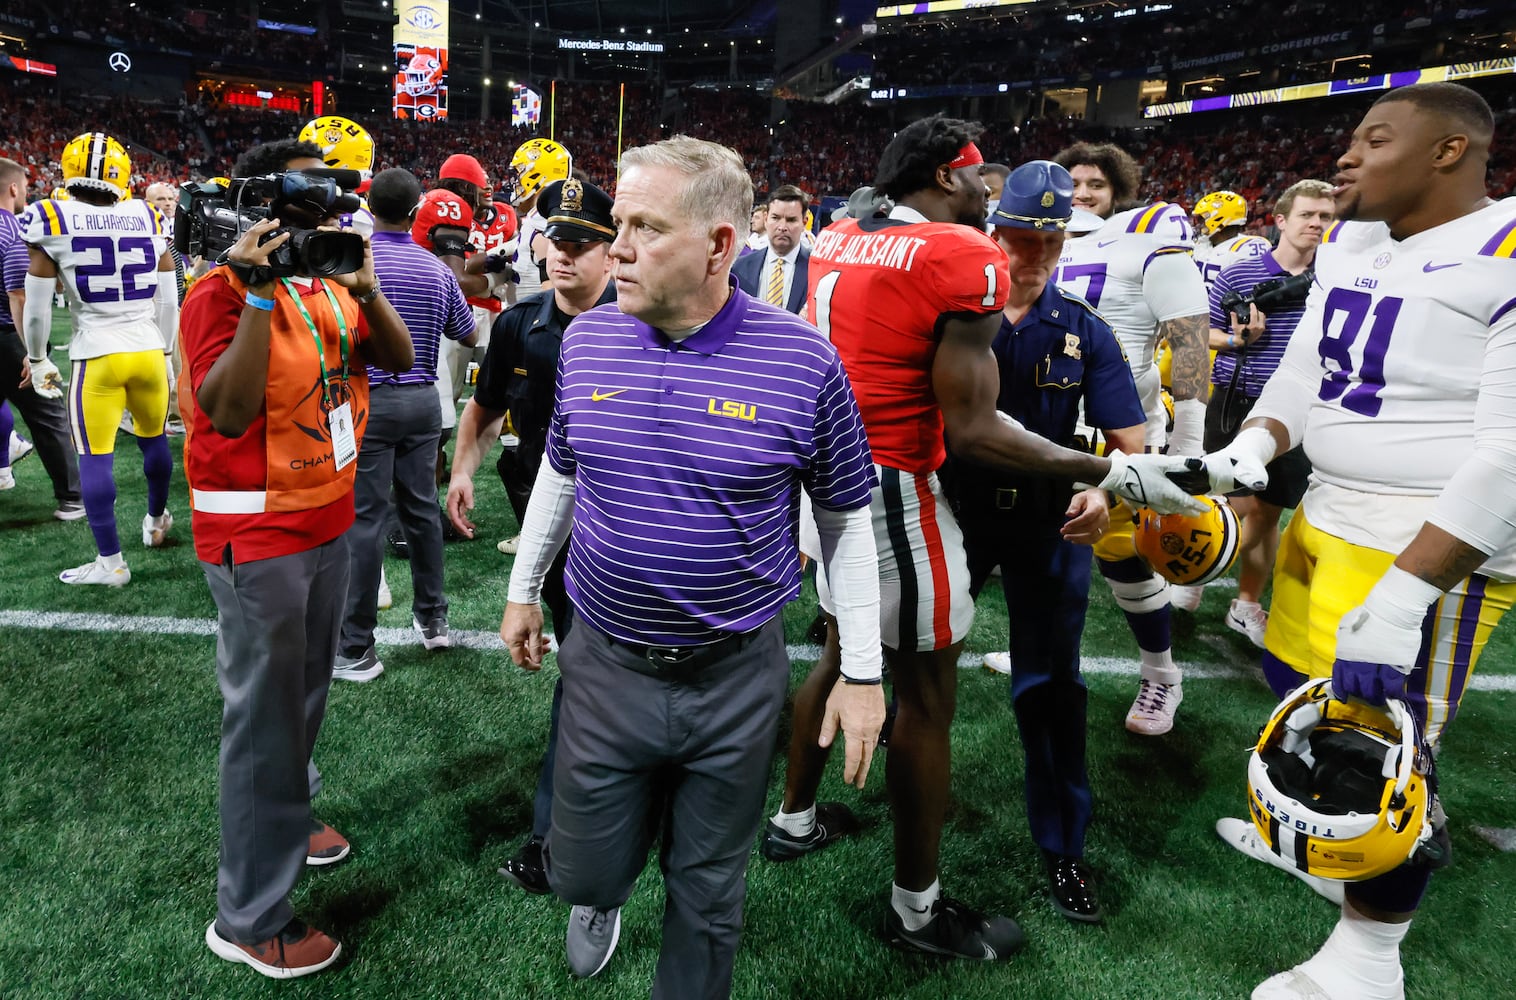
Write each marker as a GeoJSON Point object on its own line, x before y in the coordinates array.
{"type": "Point", "coordinates": [1247, 356]}
{"type": "Point", "coordinates": [276, 401]}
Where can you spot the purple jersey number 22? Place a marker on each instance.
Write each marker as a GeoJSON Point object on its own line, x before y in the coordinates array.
{"type": "Point", "coordinates": [1337, 349]}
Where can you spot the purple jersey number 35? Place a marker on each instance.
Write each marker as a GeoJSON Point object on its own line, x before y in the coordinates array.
{"type": "Point", "coordinates": [1336, 349]}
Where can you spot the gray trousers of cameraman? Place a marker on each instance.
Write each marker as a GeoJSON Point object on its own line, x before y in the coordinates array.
{"type": "Point", "coordinates": [277, 626]}
{"type": "Point", "coordinates": [636, 753]}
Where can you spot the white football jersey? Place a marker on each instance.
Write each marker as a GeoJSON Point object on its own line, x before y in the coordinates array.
{"type": "Point", "coordinates": [360, 221]}
{"type": "Point", "coordinates": [1138, 272]}
{"type": "Point", "coordinates": [528, 278]}
{"type": "Point", "coordinates": [1392, 354]}
{"type": "Point", "coordinates": [107, 256]}
{"type": "Point", "coordinates": [1212, 257]}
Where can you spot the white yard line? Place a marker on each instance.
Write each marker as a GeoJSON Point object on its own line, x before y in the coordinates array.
{"type": "Point", "coordinates": [74, 621]}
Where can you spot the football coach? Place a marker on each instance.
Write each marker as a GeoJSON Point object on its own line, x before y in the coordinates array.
{"type": "Point", "coordinates": [688, 417]}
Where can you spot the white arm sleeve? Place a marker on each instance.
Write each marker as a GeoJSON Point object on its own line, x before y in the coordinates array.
{"type": "Point", "coordinates": [1172, 287]}
{"type": "Point", "coordinates": [544, 528]}
{"type": "Point", "coordinates": [1478, 506]}
{"type": "Point", "coordinates": [37, 324]}
{"type": "Point", "coordinates": [1188, 437]}
{"type": "Point", "coordinates": [852, 571]}
{"type": "Point", "coordinates": [1290, 391]}
{"type": "Point", "coordinates": [166, 307]}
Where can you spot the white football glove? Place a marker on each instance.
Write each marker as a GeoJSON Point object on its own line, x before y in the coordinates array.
{"type": "Point", "coordinates": [46, 380]}
{"type": "Point", "coordinates": [1240, 465]}
{"type": "Point", "coordinates": [1144, 481]}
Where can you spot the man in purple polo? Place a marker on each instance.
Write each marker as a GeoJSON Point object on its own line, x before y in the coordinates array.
{"type": "Point", "coordinates": [400, 448]}
{"type": "Point", "coordinates": [688, 417]}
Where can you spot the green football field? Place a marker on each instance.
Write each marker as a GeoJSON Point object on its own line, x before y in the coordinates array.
{"type": "Point", "coordinates": [109, 719]}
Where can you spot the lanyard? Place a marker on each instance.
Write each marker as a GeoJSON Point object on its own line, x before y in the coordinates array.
{"type": "Point", "coordinates": [342, 341]}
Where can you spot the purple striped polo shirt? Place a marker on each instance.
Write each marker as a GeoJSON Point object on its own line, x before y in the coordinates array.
{"type": "Point", "coordinates": [1262, 357]}
{"type": "Point", "coordinates": [14, 261]}
{"type": "Point", "coordinates": [426, 295]}
{"type": "Point", "coordinates": [687, 461]}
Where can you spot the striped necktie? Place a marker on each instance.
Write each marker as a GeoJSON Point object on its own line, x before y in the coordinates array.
{"type": "Point", "coordinates": [775, 294]}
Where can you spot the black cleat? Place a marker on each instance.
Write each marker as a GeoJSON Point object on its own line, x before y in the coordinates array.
{"type": "Point", "coordinates": [833, 820]}
{"type": "Point", "coordinates": [399, 547]}
{"type": "Point", "coordinates": [526, 869]}
{"type": "Point", "coordinates": [956, 931]}
{"type": "Point", "coordinates": [1073, 889]}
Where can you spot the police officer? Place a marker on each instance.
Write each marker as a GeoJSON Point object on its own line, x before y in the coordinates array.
{"type": "Point", "coordinates": [1054, 352]}
{"type": "Point", "coordinates": [517, 377]}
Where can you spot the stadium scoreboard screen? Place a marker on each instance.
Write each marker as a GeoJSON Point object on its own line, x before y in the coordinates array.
{"type": "Point", "coordinates": [420, 89]}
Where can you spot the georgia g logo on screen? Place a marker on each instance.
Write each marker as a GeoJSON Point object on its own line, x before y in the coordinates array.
{"type": "Point", "coordinates": [425, 19]}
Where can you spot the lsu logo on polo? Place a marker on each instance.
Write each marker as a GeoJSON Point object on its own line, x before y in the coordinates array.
{"type": "Point", "coordinates": [732, 408]}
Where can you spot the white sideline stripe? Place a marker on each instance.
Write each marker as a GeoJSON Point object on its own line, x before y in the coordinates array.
{"type": "Point", "coordinates": [1505, 839]}
{"type": "Point", "coordinates": [74, 621]}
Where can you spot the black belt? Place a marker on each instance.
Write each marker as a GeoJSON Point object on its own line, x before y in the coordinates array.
{"type": "Point", "coordinates": [682, 662]}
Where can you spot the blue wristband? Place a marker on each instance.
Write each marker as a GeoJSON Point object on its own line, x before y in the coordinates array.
{"type": "Point", "coordinates": [267, 305]}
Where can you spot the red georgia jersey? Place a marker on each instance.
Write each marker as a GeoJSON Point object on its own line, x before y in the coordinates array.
{"type": "Point", "coordinates": [490, 235]}
{"type": "Point", "coordinates": [877, 289]}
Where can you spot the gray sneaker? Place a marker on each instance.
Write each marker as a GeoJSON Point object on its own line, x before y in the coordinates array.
{"type": "Point", "coordinates": [361, 669]}
{"type": "Point", "coordinates": [433, 632]}
{"type": "Point", "coordinates": [591, 940]}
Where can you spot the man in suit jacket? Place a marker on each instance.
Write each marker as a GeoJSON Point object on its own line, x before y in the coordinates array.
{"type": "Point", "coordinates": [779, 274]}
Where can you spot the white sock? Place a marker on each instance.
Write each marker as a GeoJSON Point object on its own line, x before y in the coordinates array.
{"type": "Point", "coordinates": [1156, 662]}
{"type": "Point", "coordinates": [1239, 604]}
{"type": "Point", "coordinates": [1361, 958]}
{"type": "Point", "coordinates": [112, 561]}
{"type": "Point", "coordinates": [796, 824]}
{"type": "Point", "coordinates": [915, 908]}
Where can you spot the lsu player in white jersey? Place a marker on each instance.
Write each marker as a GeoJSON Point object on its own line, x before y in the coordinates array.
{"type": "Point", "coordinates": [1137, 270]}
{"type": "Point", "coordinates": [535, 164]}
{"type": "Point", "coordinates": [1401, 383]}
{"type": "Point", "coordinates": [111, 252]}
{"type": "Point", "coordinates": [1219, 220]}
{"type": "Point", "coordinates": [345, 145]}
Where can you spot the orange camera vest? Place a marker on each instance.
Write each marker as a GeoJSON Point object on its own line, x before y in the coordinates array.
{"type": "Point", "coordinates": [301, 470]}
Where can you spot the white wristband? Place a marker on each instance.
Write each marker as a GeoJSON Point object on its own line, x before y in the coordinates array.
{"type": "Point", "coordinates": [1401, 598]}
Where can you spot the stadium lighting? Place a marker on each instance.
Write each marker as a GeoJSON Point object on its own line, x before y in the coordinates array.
{"type": "Point", "coordinates": [839, 20]}
{"type": "Point", "coordinates": [486, 81]}
{"type": "Point", "coordinates": [477, 15]}
{"type": "Point", "coordinates": [650, 31]}
{"type": "Point", "coordinates": [512, 83]}
{"type": "Point", "coordinates": [623, 30]}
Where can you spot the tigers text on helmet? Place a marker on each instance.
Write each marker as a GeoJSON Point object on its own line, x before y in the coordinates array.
{"type": "Point", "coordinates": [536, 164]}
{"type": "Point", "coordinates": [1341, 789]}
{"type": "Point", "coordinates": [1189, 549]}
{"type": "Point", "coordinates": [96, 161]}
{"type": "Point", "coordinates": [1221, 209]}
{"type": "Point", "coordinates": [345, 145]}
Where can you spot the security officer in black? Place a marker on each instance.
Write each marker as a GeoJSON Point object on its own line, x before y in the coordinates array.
{"type": "Point", "coordinates": [518, 376]}
{"type": "Point", "coordinates": [1055, 353]}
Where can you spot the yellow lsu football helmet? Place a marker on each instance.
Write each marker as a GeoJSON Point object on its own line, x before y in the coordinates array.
{"type": "Point", "coordinates": [1189, 549]}
{"type": "Point", "coordinates": [1340, 789]}
{"type": "Point", "coordinates": [345, 145]}
{"type": "Point", "coordinates": [1220, 209]}
{"type": "Point", "coordinates": [96, 161]}
{"type": "Point", "coordinates": [536, 164]}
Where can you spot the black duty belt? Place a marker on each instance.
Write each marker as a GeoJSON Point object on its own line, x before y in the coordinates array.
{"type": "Point", "coordinates": [683, 662]}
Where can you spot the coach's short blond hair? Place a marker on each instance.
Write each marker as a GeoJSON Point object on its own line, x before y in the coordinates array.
{"type": "Point", "coordinates": [717, 187]}
{"type": "Point", "coordinates": [1301, 189]}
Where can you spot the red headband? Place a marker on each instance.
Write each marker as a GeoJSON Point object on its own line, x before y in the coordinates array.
{"type": "Point", "coordinates": [968, 156]}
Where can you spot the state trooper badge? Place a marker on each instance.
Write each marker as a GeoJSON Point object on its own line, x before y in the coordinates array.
{"type": "Point", "coordinates": [1047, 199]}
{"type": "Point", "coordinates": [1071, 346]}
{"type": "Point", "coordinates": [572, 199]}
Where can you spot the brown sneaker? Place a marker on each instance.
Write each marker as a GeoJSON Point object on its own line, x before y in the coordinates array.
{"type": "Point", "coordinates": [297, 950]}
{"type": "Point", "coordinates": [327, 846]}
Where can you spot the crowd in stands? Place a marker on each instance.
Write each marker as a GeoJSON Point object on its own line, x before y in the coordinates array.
{"type": "Point", "coordinates": [823, 149]}
{"type": "Point", "coordinates": [1044, 44]}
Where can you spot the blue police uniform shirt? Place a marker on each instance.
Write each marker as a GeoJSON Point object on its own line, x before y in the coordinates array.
{"type": "Point", "coordinates": [1060, 354]}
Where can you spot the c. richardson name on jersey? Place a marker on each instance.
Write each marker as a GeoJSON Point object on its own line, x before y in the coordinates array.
{"type": "Point", "coordinates": [884, 249]}
{"type": "Point", "coordinates": [130, 223]}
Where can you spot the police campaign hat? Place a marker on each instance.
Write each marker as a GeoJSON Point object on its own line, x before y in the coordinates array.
{"type": "Point", "coordinates": [576, 212]}
{"type": "Point", "coordinates": [1040, 195]}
